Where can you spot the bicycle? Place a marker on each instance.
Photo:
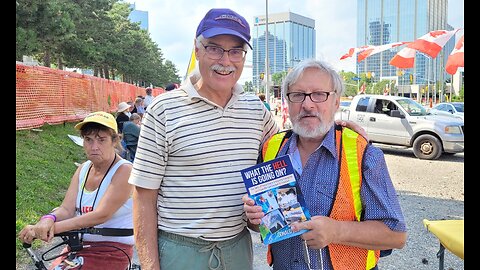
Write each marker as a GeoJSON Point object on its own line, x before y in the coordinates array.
{"type": "Point", "coordinates": [74, 240]}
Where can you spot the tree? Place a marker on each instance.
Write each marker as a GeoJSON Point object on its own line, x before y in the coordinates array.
{"type": "Point", "coordinates": [351, 85]}
{"type": "Point", "coordinates": [278, 77]}
{"type": "Point", "coordinates": [91, 34]}
{"type": "Point", "coordinates": [171, 72]}
{"type": "Point", "coordinates": [42, 26]}
{"type": "Point", "coordinates": [248, 87]}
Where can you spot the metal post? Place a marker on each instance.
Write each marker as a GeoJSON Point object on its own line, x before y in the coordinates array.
{"type": "Point", "coordinates": [451, 88]}
{"type": "Point", "coordinates": [267, 72]}
{"type": "Point", "coordinates": [441, 257]}
{"type": "Point", "coordinates": [434, 81]}
{"type": "Point", "coordinates": [427, 98]}
{"type": "Point", "coordinates": [358, 84]}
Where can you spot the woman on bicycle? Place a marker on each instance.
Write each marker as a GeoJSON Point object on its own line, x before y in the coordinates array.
{"type": "Point", "coordinates": [99, 195]}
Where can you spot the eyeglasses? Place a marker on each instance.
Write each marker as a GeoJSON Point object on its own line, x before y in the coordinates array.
{"type": "Point", "coordinates": [317, 97]}
{"type": "Point", "coordinates": [216, 53]}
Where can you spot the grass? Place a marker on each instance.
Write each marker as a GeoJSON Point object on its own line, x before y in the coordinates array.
{"type": "Point", "coordinates": [45, 163]}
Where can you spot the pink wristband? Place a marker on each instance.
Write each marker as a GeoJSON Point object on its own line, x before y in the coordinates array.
{"type": "Point", "coordinates": [50, 216]}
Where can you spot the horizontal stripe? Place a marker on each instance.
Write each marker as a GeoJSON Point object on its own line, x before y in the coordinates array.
{"type": "Point", "coordinates": [192, 151]}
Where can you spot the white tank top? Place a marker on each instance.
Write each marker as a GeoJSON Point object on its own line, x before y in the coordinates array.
{"type": "Point", "coordinates": [121, 219]}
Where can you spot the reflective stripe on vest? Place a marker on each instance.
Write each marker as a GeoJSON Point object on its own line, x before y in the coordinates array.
{"type": "Point", "coordinates": [270, 150]}
{"type": "Point", "coordinates": [351, 148]}
{"type": "Point", "coordinates": [272, 146]}
{"type": "Point", "coordinates": [349, 140]}
{"type": "Point", "coordinates": [352, 159]}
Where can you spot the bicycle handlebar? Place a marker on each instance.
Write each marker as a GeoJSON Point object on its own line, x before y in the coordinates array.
{"type": "Point", "coordinates": [91, 230]}
{"type": "Point", "coordinates": [99, 231]}
{"type": "Point", "coordinates": [74, 240]}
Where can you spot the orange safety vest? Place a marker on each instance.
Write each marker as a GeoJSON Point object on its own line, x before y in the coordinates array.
{"type": "Point", "coordinates": [347, 205]}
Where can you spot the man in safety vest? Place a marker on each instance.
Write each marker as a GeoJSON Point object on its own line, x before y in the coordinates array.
{"type": "Point", "coordinates": [344, 180]}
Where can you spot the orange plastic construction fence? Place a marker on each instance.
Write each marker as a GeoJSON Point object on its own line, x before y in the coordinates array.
{"type": "Point", "coordinates": [52, 96]}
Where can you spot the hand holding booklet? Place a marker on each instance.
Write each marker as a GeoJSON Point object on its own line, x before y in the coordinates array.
{"type": "Point", "coordinates": [273, 186]}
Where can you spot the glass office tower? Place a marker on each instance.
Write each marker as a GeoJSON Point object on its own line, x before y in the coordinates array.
{"type": "Point", "coordinates": [291, 38]}
{"type": "Point", "coordinates": [139, 16]}
{"type": "Point", "coordinates": [385, 21]}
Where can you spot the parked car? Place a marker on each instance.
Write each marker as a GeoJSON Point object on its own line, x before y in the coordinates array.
{"type": "Point", "coordinates": [402, 121]}
{"type": "Point", "coordinates": [454, 109]}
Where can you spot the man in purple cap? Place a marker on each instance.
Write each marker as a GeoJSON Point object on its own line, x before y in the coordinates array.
{"type": "Point", "coordinates": [193, 143]}
{"type": "Point", "coordinates": [188, 210]}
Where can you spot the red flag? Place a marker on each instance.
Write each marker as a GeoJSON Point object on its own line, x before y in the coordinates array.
{"type": "Point", "coordinates": [455, 59]}
{"type": "Point", "coordinates": [405, 58]}
{"type": "Point", "coordinates": [349, 54]}
{"type": "Point", "coordinates": [377, 49]}
{"type": "Point", "coordinates": [387, 89]}
{"type": "Point", "coordinates": [362, 88]}
{"type": "Point", "coordinates": [351, 51]}
{"type": "Point", "coordinates": [284, 111]}
{"type": "Point", "coordinates": [432, 42]}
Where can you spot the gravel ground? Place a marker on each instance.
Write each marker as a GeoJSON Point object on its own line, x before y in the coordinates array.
{"type": "Point", "coordinates": [427, 189]}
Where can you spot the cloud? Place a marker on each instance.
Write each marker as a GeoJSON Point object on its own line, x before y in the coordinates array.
{"type": "Point", "coordinates": [455, 13]}
{"type": "Point", "coordinates": [173, 24]}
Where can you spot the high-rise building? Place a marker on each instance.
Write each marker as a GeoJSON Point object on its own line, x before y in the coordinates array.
{"type": "Point", "coordinates": [386, 21]}
{"type": "Point", "coordinates": [139, 16]}
{"type": "Point", "coordinates": [291, 38]}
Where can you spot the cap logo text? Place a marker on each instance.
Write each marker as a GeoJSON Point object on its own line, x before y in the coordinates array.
{"type": "Point", "coordinates": [230, 17]}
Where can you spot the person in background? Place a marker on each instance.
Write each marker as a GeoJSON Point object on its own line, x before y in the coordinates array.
{"type": "Point", "coordinates": [344, 180]}
{"type": "Point", "coordinates": [138, 107]}
{"type": "Point", "coordinates": [131, 132]}
{"type": "Point", "coordinates": [129, 112]}
{"type": "Point", "coordinates": [123, 115]}
{"type": "Point", "coordinates": [262, 98]}
{"type": "Point", "coordinates": [278, 107]}
{"type": "Point", "coordinates": [99, 195]}
{"type": "Point", "coordinates": [148, 97]}
{"type": "Point", "coordinates": [171, 86]}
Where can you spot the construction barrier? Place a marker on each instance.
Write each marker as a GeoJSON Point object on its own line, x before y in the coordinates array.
{"type": "Point", "coordinates": [52, 96]}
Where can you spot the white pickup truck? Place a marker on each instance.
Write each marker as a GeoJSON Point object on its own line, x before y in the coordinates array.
{"type": "Point", "coordinates": [402, 121]}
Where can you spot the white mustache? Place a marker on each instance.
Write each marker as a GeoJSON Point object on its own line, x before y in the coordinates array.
{"type": "Point", "coordinates": [307, 114]}
{"type": "Point", "coordinates": [222, 69]}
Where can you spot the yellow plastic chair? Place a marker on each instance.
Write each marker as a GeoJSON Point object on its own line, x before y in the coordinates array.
{"type": "Point", "coordinates": [450, 233]}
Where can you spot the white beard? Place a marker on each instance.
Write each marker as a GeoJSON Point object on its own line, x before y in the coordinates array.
{"type": "Point", "coordinates": [315, 132]}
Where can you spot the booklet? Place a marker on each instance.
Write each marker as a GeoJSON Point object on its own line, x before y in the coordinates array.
{"type": "Point", "coordinates": [273, 186]}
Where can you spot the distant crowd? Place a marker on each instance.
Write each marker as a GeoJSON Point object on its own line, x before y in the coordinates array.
{"type": "Point", "coordinates": [129, 118]}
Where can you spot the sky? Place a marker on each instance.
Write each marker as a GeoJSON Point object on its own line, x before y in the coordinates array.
{"type": "Point", "coordinates": [173, 23]}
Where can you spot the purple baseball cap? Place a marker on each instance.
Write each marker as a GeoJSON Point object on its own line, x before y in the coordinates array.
{"type": "Point", "coordinates": [224, 21]}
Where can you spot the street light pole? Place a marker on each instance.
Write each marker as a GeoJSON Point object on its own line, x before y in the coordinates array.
{"type": "Point", "coordinates": [267, 73]}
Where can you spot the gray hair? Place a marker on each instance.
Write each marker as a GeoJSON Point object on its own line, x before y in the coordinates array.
{"type": "Point", "coordinates": [138, 100]}
{"type": "Point", "coordinates": [323, 66]}
{"type": "Point", "coordinates": [201, 39]}
{"type": "Point", "coordinates": [134, 116]}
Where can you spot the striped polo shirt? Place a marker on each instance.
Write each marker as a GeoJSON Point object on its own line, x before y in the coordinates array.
{"type": "Point", "coordinates": [192, 151]}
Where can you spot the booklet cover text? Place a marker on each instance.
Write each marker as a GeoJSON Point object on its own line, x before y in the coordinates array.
{"type": "Point", "coordinates": [273, 186]}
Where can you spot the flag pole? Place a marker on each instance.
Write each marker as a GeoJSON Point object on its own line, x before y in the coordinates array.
{"type": "Point", "coordinates": [267, 72]}
{"type": "Point", "coordinates": [191, 63]}
{"type": "Point", "coordinates": [358, 84]}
